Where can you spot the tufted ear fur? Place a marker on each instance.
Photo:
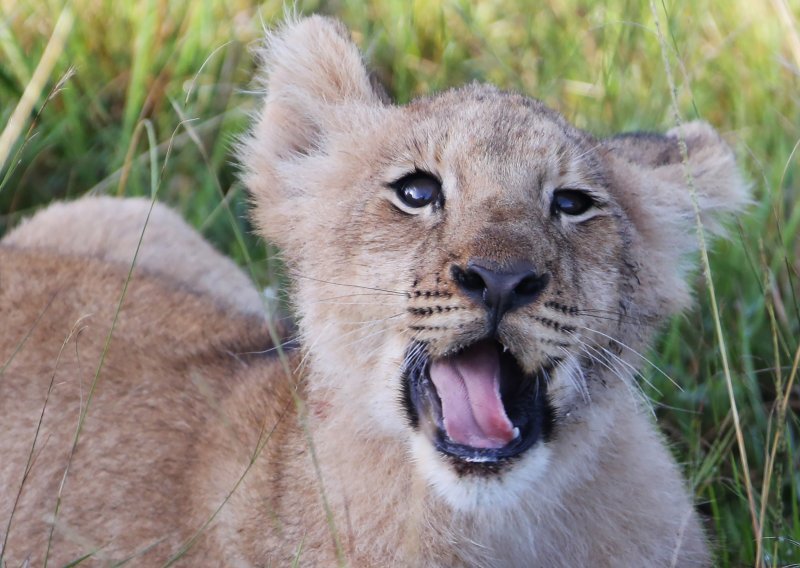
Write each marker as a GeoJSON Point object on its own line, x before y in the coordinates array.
{"type": "Point", "coordinates": [316, 85]}
{"type": "Point", "coordinates": [657, 188]}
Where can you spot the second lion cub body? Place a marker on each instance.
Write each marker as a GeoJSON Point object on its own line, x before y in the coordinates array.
{"type": "Point", "coordinates": [472, 279]}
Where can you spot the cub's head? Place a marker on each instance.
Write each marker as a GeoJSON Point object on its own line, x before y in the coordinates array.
{"type": "Point", "coordinates": [468, 269]}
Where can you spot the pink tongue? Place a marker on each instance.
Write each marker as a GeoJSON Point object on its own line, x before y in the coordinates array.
{"type": "Point", "coordinates": [469, 387]}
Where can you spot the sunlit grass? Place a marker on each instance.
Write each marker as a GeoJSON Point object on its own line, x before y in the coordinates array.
{"type": "Point", "coordinates": [185, 69]}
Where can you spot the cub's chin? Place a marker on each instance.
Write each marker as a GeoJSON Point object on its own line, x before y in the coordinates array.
{"type": "Point", "coordinates": [507, 487]}
{"type": "Point", "coordinates": [481, 423]}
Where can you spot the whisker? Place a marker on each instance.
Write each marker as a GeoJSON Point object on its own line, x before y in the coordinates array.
{"type": "Point", "coordinates": [374, 289]}
{"type": "Point", "coordinates": [607, 355]}
{"type": "Point", "coordinates": [413, 355]}
{"type": "Point", "coordinates": [634, 371]}
{"type": "Point", "coordinates": [311, 346]}
{"type": "Point", "coordinates": [419, 352]}
{"type": "Point", "coordinates": [345, 296]}
{"type": "Point", "coordinates": [362, 327]}
{"type": "Point", "coordinates": [635, 352]}
{"type": "Point", "coordinates": [374, 321]}
{"type": "Point", "coordinates": [616, 317]}
{"type": "Point", "coordinates": [363, 338]}
{"type": "Point", "coordinates": [579, 383]}
{"type": "Point", "coordinates": [632, 386]}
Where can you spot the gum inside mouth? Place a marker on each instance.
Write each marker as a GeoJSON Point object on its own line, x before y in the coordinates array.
{"type": "Point", "coordinates": [478, 405]}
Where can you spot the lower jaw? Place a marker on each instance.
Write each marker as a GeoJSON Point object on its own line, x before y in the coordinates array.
{"type": "Point", "coordinates": [491, 487]}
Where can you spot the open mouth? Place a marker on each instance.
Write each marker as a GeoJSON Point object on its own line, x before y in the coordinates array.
{"type": "Point", "coordinates": [477, 405]}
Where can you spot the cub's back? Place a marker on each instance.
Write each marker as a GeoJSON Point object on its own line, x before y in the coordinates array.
{"type": "Point", "coordinates": [174, 356]}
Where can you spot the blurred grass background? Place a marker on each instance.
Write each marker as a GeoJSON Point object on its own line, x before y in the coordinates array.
{"type": "Point", "coordinates": [134, 82]}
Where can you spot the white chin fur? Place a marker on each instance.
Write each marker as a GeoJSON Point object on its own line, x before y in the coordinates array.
{"type": "Point", "coordinates": [472, 493]}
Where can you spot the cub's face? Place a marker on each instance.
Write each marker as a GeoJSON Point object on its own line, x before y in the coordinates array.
{"type": "Point", "coordinates": [478, 256]}
{"type": "Point", "coordinates": [466, 268]}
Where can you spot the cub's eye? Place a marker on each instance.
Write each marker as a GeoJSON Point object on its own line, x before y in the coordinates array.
{"type": "Point", "coordinates": [418, 189]}
{"type": "Point", "coordinates": [571, 202]}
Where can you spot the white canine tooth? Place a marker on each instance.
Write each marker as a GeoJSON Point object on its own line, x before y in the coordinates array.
{"type": "Point", "coordinates": [505, 347]}
{"type": "Point", "coordinates": [515, 431]}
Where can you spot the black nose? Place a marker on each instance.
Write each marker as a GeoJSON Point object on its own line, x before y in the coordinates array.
{"type": "Point", "coordinates": [500, 289]}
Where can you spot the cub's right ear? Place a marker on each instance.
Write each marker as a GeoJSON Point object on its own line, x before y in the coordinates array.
{"type": "Point", "coordinates": [316, 86]}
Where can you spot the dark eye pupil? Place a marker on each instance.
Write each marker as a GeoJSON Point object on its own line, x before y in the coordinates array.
{"type": "Point", "coordinates": [571, 202]}
{"type": "Point", "coordinates": [418, 190]}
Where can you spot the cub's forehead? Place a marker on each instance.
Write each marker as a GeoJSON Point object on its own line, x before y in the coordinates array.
{"type": "Point", "coordinates": [479, 128]}
{"type": "Point", "coordinates": [495, 116]}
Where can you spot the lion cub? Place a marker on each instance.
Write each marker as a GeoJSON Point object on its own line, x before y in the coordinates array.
{"type": "Point", "coordinates": [473, 279]}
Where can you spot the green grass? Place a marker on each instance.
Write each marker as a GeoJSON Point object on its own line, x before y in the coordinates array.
{"type": "Point", "coordinates": [168, 82]}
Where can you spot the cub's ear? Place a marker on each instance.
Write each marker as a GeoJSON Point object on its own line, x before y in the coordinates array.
{"type": "Point", "coordinates": [314, 58]}
{"type": "Point", "coordinates": [662, 190]}
{"type": "Point", "coordinates": [316, 86]}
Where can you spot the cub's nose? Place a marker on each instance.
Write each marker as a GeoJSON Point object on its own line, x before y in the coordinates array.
{"type": "Point", "coordinates": [500, 289]}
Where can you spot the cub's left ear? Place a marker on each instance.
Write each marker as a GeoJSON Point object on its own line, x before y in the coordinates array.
{"type": "Point", "coordinates": [656, 184]}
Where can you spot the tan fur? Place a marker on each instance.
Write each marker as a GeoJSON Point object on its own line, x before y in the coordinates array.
{"type": "Point", "coordinates": [192, 408]}
{"type": "Point", "coordinates": [169, 247]}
